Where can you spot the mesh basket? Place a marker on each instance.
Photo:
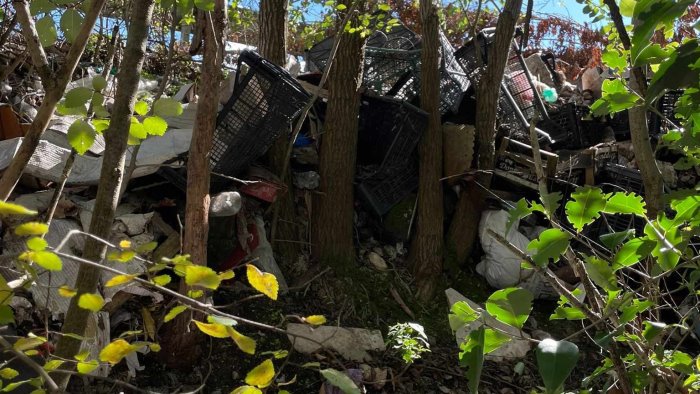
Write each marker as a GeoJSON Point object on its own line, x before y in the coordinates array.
{"type": "Point", "coordinates": [264, 101]}
{"type": "Point", "coordinates": [389, 132]}
{"type": "Point", "coordinates": [383, 191]}
{"type": "Point", "coordinates": [392, 72]}
{"type": "Point", "coordinates": [567, 127]}
{"type": "Point", "coordinates": [666, 105]}
{"type": "Point", "coordinates": [399, 37]}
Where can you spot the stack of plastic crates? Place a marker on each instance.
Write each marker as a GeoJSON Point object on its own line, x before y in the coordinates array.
{"type": "Point", "coordinates": [567, 127]}
{"type": "Point", "coordinates": [518, 99]}
{"type": "Point", "coordinates": [392, 72]}
{"type": "Point", "coordinates": [390, 129]}
{"type": "Point", "coordinates": [264, 101]}
{"type": "Point", "coordinates": [666, 105]}
{"type": "Point", "coordinates": [398, 37]}
{"type": "Point", "coordinates": [617, 178]}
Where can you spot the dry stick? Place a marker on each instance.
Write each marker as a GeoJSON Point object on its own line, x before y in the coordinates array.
{"type": "Point", "coordinates": [106, 379]}
{"type": "Point", "coordinates": [307, 108]}
{"type": "Point", "coordinates": [54, 85]}
{"type": "Point", "coordinates": [52, 386]}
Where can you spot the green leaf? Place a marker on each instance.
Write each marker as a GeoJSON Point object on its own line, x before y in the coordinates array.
{"type": "Point", "coordinates": [46, 29]}
{"type": "Point", "coordinates": [167, 107]}
{"type": "Point", "coordinates": [162, 280]}
{"type": "Point", "coordinates": [31, 228]}
{"type": "Point", "coordinates": [45, 259]}
{"type": "Point", "coordinates": [27, 343]}
{"type": "Point", "coordinates": [632, 252]}
{"type": "Point", "coordinates": [615, 98]}
{"type": "Point", "coordinates": [612, 240]}
{"type": "Point", "coordinates": [550, 201]}
{"type": "Point", "coordinates": [71, 23]}
{"type": "Point", "coordinates": [78, 97]}
{"type": "Point", "coordinates": [85, 367]}
{"type": "Point", "coordinates": [8, 373]}
{"type": "Point", "coordinates": [206, 5]}
{"type": "Point", "coordinates": [614, 59]}
{"type": "Point", "coordinates": [7, 315]}
{"type": "Point", "coordinates": [550, 245]}
{"type": "Point", "coordinates": [652, 330]}
{"type": "Point", "coordinates": [567, 313]}
{"type": "Point", "coordinates": [13, 386]}
{"type": "Point", "coordinates": [461, 314]}
{"type": "Point", "coordinates": [519, 211]}
{"type": "Point", "coordinates": [586, 204]}
{"type": "Point", "coordinates": [471, 356]}
{"type": "Point", "coordinates": [510, 306]}
{"type": "Point", "coordinates": [137, 130]}
{"type": "Point", "coordinates": [41, 6]}
{"type": "Point", "coordinates": [91, 302]}
{"type": "Point", "coordinates": [680, 362]}
{"type": "Point", "coordinates": [601, 273]}
{"type": "Point", "coordinates": [340, 380]}
{"type": "Point", "coordinates": [494, 339]}
{"type": "Point", "coordinates": [81, 136]}
{"type": "Point", "coordinates": [625, 203]}
{"type": "Point", "coordinates": [555, 361]}
{"type": "Point", "coordinates": [677, 71]}
{"type": "Point", "coordinates": [664, 232]}
{"type": "Point", "coordinates": [99, 83]}
{"type": "Point", "coordinates": [10, 209]}
{"type": "Point", "coordinates": [52, 365]}
{"type": "Point", "coordinates": [653, 54]}
{"type": "Point", "coordinates": [141, 108]}
{"type": "Point", "coordinates": [174, 312]}
{"type": "Point", "coordinates": [687, 210]}
{"type": "Point", "coordinates": [627, 7]}
{"type": "Point", "coordinates": [155, 125]}
{"type": "Point", "coordinates": [649, 14]}
{"type": "Point", "coordinates": [629, 312]}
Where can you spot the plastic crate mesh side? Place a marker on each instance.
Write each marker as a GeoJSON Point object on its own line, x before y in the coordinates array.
{"type": "Point", "coordinates": [519, 86]}
{"type": "Point", "coordinates": [390, 69]}
{"type": "Point", "coordinates": [453, 80]}
{"type": "Point", "coordinates": [382, 193]}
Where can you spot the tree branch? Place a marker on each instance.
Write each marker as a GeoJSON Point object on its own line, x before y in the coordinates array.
{"type": "Point", "coordinates": [34, 47]}
{"type": "Point", "coordinates": [50, 383]}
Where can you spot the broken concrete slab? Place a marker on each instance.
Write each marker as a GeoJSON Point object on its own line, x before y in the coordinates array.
{"type": "Point", "coordinates": [351, 343]}
{"type": "Point", "coordinates": [515, 348]}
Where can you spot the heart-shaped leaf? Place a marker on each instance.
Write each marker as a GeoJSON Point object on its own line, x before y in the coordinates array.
{"type": "Point", "coordinates": [265, 283]}
{"type": "Point", "coordinates": [555, 361]}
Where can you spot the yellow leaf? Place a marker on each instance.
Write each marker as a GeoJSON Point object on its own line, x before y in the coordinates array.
{"type": "Point", "coordinates": [121, 256]}
{"type": "Point", "coordinates": [37, 244]}
{"type": "Point", "coordinates": [226, 275]}
{"type": "Point", "coordinates": [195, 293]}
{"type": "Point", "coordinates": [45, 259]}
{"type": "Point", "coordinates": [8, 208]}
{"type": "Point", "coordinates": [82, 356]}
{"type": "Point", "coordinates": [23, 344]}
{"type": "Point", "coordinates": [31, 228]}
{"type": "Point", "coordinates": [149, 324]}
{"type": "Point", "coordinates": [65, 291]}
{"type": "Point", "coordinates": [246, 344]}
{"type": "Point", "coordinates": [85, 367]}
{"type": "Point", "coordinates": [246, 390]}
{"type": "Point", "coordinates": [199, 275]}
{"type": "Point", "coordinates": [119, 280]}
{"type": "Point", "coordinates": [213, 330]}
{"type": "Point", "coordinates": [91, 302]}
{"type": "Point", "coordinates": [315, 320]}
{"type": "Point", "coordinates": [154, 347]}
{"type": "Point", "coordinates": [261, 376]}
{"type": "Point", "coordinates": [116, 351]}
{"type": "Point", "coordinates": [145, 248]}
{"type": "Point", "coordinates": [162, 280]}
{"type": "Point", "coordinates": [8, 373]}
{"type": "Point", "coordinates": [52, 365]}
{"type": "Point", "coordinates": [125, 244]}
{"type": "Point", "coordinates": [174, 312]}
{"type": "Point", "coordinates": [265, 283]}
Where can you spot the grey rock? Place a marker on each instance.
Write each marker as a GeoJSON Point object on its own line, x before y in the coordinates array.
{"type": "Point", "coordinates": [351, 343]}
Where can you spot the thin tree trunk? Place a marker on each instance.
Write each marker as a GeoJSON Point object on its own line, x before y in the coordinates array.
{"type": "Point", "coordinates": [171, 55]}
{"type": "Point", "coordinates": [179, 342]}
{"type": "Point", "coordinates": [54, 85]}
{"type": "Point", "coordinates": [106, 202]}
{"type": "Point", "coordinates": [427, 248]}
{"type": "Point", "coordinates": [463, 230]}
{"type": "Point", "coordinates": [332, 226]}
{"type": "Point", "coordinates": [98, 43]}
{"type": "Point", "coordinates": [639, 128]}
{"type": "Point", "coordinates": [8, 31]}
{"type": "Point", "coordinates": [273, 47]}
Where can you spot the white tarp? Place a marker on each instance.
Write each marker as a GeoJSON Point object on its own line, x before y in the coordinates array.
{"type": "Point", "coordinates": [49, 159]}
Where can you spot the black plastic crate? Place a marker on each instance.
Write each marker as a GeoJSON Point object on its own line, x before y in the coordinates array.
{"type": "Point", "coordinates": [398, 37]}
{"type": "Point", "coordinates": [568, 129]}
{"type": "Point", "coordinates": [392, 72]}
{"type": "Point", "coordinates": [264, 101]}
{"type": "Point", "coordinates": [389, 131]}
{"type": "Point", "coordinates": [383, 191]}
{"type": "Point", "coordinates": [666, 105]}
